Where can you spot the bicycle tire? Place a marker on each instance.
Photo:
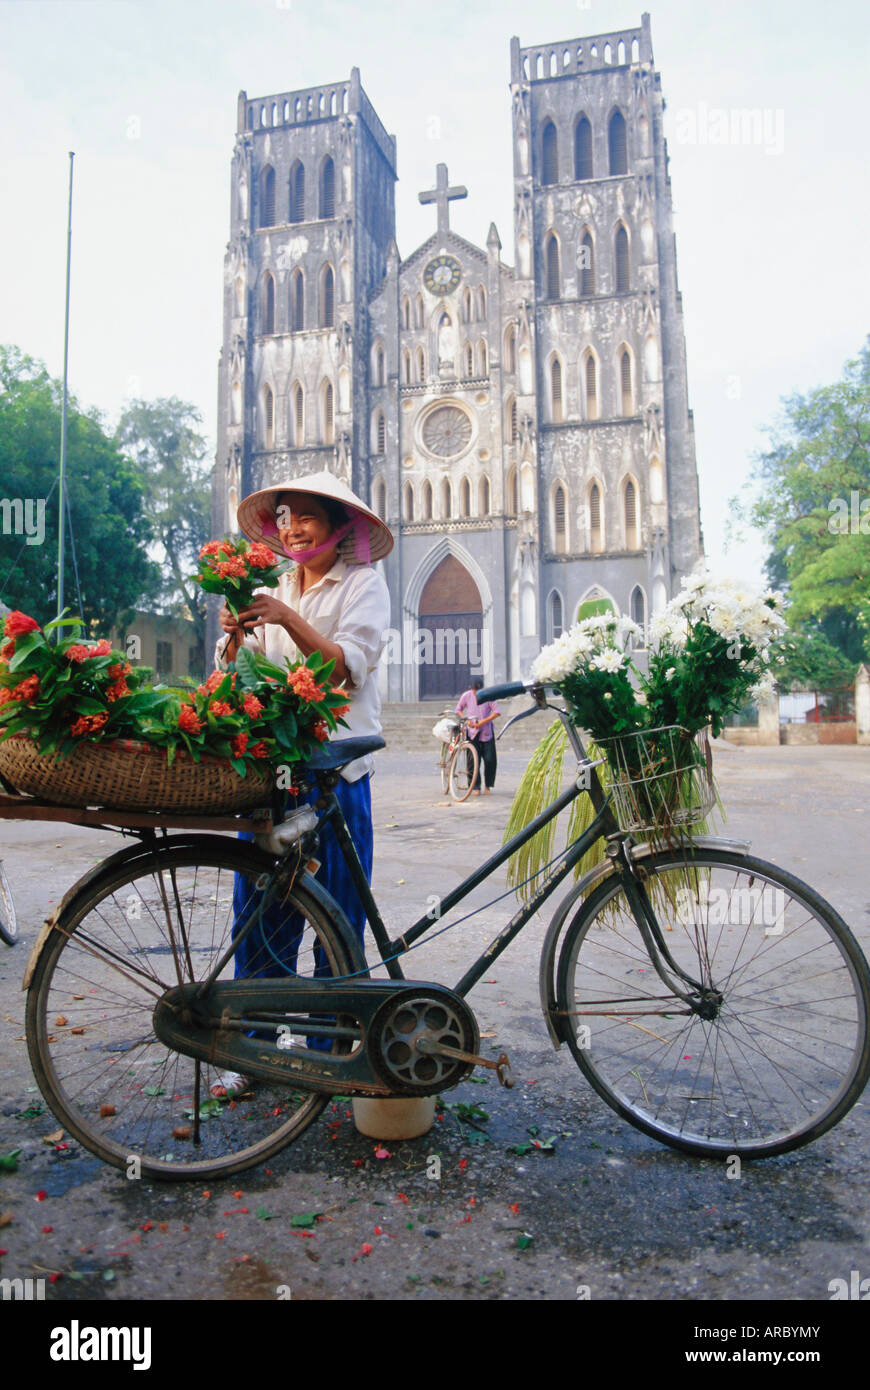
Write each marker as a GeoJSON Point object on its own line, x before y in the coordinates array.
{"type": "Point", "coordinates": [788, 1053]}
{"type": "Point", "coordinates": [463, 770]}
{"type": "Point", "coordinates": [444, 765]}
{"type": "Point", "coordinates": [8, 920]}
{"type": "Point", "coordinates": [115, 949]}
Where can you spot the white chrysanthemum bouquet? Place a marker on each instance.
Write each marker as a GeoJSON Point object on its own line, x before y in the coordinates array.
{"type": "Point", "coordinates": [709, 651]}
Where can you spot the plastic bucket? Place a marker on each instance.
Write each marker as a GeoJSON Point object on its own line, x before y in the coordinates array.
{"type": "Point", "coordinates": [397, 1117]}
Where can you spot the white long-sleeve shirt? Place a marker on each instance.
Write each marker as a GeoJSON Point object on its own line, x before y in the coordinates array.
{"type": "Point", "coordinates": [350, 605]}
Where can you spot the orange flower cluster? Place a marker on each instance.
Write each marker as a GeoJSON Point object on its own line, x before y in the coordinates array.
{"type": "Point", "coordinates": [88, 724]}
{"type": "Point", "coordinates": [82, 653]}
{"type": "Point", "coordinates": [259, 750]}
{"type": "Point", "coordinates": [214, 681]}
{"type": "Point", "coordinates": [239, 744]}
{"type": "Point", "coordinates": [321, 730]}
{"type": "Point", "coordinates": [18, 623]}
{"type": "Point", "coordinates": [26, 690]}
{"type": "Point", "coordinates": [220, 708]}
{"type": "Point", "coordinates": [212, 548]}
{"type": "Point", "coordinates": [234, 568]}
{"type": "Point", "coordinates": [187, 720]}
{"type": "Point", "coordinates": [260, 557]}
{"type": "Point", "coordinates": [7, 651]}
{"type": "Point", "coordinates": [304, 684]}
{"type": "Point", "coordinates": [252, 706]}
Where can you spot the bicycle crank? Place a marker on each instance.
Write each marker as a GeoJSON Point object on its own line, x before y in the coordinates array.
{"type": "Point", "coordinates": [501, 1066]}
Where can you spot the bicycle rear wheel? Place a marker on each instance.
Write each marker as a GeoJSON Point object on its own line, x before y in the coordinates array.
{"type": "Point", "coordinates": [463, 771]}
{"type": "Point", "coordinates": [140, 928]}
{"type": "Point", "coordinates": [8, 921]}
{"type": "Point", "coordinates": [445, 767]}
{"type": "Point", "coordinates": [785, 1053]}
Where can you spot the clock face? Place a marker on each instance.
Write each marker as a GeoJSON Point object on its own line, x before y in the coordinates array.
{"type": "Point", "coordinates": [447, 431]}
{"type": "Point", "coordinates": [442, 275]}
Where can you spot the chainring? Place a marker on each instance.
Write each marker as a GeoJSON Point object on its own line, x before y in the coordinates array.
{"type": "Point", "coordinates": [421, 1011]}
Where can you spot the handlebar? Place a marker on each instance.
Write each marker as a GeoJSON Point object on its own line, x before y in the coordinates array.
{"type": "Point", "coordinates": [502, 692]}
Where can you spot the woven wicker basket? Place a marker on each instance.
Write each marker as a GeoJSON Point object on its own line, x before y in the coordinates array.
{"type": "Point", "coordinates": [129, 776]}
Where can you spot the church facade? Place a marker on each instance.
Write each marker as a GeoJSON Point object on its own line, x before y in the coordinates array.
{"type": "Point", "coordinates": [524, 429]}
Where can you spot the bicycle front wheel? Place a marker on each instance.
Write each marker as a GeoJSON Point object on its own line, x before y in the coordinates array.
{"type": "Point", "coordinates": [778, 1050]}
{"type": "Point", "coordinates": [8, 921]}
{"type": "Point", "coordinates": [142, 927]}
{"type": "Point", "coordinates": [445, 767]}
{"type": "Point", "coordinates": [463, 771]}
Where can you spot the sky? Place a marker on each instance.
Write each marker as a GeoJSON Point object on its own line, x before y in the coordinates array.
{"type": "Point", "coordinates": [771, 232]}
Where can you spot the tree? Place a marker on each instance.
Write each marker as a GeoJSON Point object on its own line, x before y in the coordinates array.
{"type": "Point", "coordinates": [163, 440]}
{"type": "Point", "coordinates": [815, 507]}
{"type": "Point", "coordinates": [813, 661]}
{"type": "Point", "coordinates": [110, 534]}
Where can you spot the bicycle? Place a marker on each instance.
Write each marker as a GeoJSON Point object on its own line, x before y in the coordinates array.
{"type": "Point", "coordinates": [713, 1000]}
{"type": "Point", "coordinates": [459, 759]}
{"type": "Point", "coordinates": [8, 922]}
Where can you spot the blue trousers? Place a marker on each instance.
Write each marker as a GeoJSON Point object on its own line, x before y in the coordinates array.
{"type": "Point", "coordinates": [283, 930]}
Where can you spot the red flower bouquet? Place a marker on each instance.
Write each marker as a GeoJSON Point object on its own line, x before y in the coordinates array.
{"type": "Point", "coordinates": [236, 569]}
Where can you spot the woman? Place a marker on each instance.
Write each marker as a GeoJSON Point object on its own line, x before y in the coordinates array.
{"type": "Point", "coordinates": [480, 720]}
{"type": "Point", "coordinates": [332, 601]}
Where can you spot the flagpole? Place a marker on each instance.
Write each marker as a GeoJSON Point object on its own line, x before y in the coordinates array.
{"type": "Point", "coordinates": [62, 496]}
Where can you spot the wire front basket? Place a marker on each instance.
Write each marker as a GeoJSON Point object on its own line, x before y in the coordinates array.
{"type": "Point", "coordinates": [661, 780]}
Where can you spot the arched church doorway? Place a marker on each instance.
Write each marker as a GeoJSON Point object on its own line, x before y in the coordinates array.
{"type": "Point", "coordinates": [451, 631]}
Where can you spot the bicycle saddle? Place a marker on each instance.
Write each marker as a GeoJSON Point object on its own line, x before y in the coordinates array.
{"type": "Point", "coordinates": [329, 757]}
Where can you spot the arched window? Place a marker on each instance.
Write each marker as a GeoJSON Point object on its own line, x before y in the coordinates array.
{"type": "Point", "coordinates": [560, 535]}
{"type": "Point", "coordinates": [380, 433]}
{"type": "Point", "coordinates": [512, 423]}
{"type": "Point", "coordinates": [268, 418]}
{"type": "Point", "coordinates": [616, 144]}
{"type": "Point", "coordinates": [328, 414]}
{"type": "Point", "coordinates": [549, 154]}
{"type": "Point", "coordinates": [591, 383]}
{"type": "Point", "coordinates": [481, 303]}
{"type": "Point", "coordinates": [467, 307]}
{"type": "Point", "coordinates": [381, 499]}
{"type": "Point", "coordinates": [267, 197]}
{"type": "Point", "coordinates": [327, 298]}
{"type": "Point", "coordinates": [583, 149]}
{"type": "Point", "coordinates": [637, 612]}
{"type": "Point", "coordinates": [587, 264]}
{"type": "Point", "coordinates": [380, 366]}
{"type": "Point", "coordinates": [268, 303]}
{"type": "Point", "coordinates": [469, 360]}
{"type": "Point", "coordinates": [558, 413]}
{"type": "Point", "coordinates": [446, 499]}
{"type": "Point", "coordinates": [483, 496]}
{"type": "Point", "coordinates": [629, 502]}
{"type": "Point", "coordinates": [297, 301]}
{"type": "Point", "coordinates": [510, 349]}
{"type": "Point", "coordinates": [406, 367]}
{"type": "Point", "coordinates": [419, 311]}
{"type": "Point", "coordinates": [409, 502]}
{"type": "Point", "coordinates": [236, 404]}
{"type": "Point", "coordinates": [553, 275]}
{"type": "Point", "coordinates": [406, 312]}
{"type": "Point", "coordinates": [625, 383]}
{"type": "Point", "coordinates": [327, 188]}
{"type": "Point", "coordinates": [554, 616]}
{"type": "Point", "coordinates": [298, 415]}
{"type": "Point", "coordinates": [482, 365]}
{"type": "Point", "coordinates": [427, 501]}
{"type": "Point", "coordinates": [421, 366]}
{"type": "Point", "coordinates": [297, 192]}
{"type": "Point", "coordinates": [621, 258]}
{"type": "Point", "coordinates": [596, 530]}
{"type": "Point", "coordinates": [511, 497]}
{"type": "Point", "coordinates": [240, 296]}
{"type": "Point", "coordinates": [465, 498]}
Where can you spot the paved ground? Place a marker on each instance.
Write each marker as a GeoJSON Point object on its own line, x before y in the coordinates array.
{"type": "Point", "coordinates": [609, 1211]}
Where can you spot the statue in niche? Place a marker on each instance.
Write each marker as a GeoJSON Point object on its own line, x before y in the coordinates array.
{"type": "Point", "coordinates": [344, 337]}
{"type": "Point", "coordinates": [527, 435]}
{"type": "Point", "coordinates": [446, 342]}
{"type": "Point", "coordinates": [523, 319]}
{"type": "Point", "coordinates": [343, 456]}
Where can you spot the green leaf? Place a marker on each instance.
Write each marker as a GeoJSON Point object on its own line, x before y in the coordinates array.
{"type": "Point", "coordinates": [524, 1241]}
{"type": "Point", "coordinates": [304, 1219]}
{"type": "Point", "coordinates": [9, 1162]}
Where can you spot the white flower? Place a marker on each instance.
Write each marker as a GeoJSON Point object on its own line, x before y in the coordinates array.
{"type": "Point", "coordinates": [610, 660]}
{"type": "Point", "coordinates": [640, 697]}
{"type": "Point", "coordinates": [670, 673]}
{"type": "Point", "coordinates": [765, 689]}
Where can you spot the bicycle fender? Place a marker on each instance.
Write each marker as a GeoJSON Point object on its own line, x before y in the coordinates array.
{"type": "Point", "coordinates": [556, 1026]}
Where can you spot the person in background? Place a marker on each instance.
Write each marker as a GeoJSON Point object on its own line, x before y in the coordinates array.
{"type": "Point", "coordinates": [480, 728]}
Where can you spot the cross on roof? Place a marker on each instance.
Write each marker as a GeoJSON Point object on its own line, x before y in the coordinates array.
{"type": "Point", "coordinates": [443, 196]}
